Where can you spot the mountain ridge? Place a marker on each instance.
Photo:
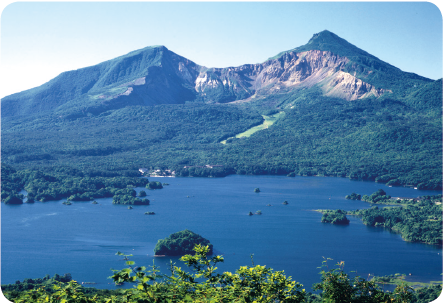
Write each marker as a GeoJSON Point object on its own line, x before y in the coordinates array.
{"type": "Point", "coordinates": [172, 79]}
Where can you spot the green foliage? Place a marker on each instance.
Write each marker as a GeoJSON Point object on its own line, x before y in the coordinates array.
{"type": "Point", "coordinates": [246, 285]}
{"type": "Point", "coordinates": [256, 284]}
{"type": "Point", "coordinates": [335, 217]}
{"type": "Point", "coordinates": [354, 196]}
{"type": "Point", "coordinates": [256, 190]}
{"type": "Point", "coordinates": [416, 222]}
{"type": "Point", "coordinates": [377, 197]}
{"type": "Point", "coordinates": [337, 287]}
{"type": "Point", "coordinates": [142, 194]}
{"type": "Point", "coordinates": [180, 243]}
{"type": "Point", "coordinates": [13, 199]}
{"type": "Point", "coordinates": [175, 135]}
{"type": "Point", "coordinates": [154, 185]}
{"type": "Point", "coordinates": [374, 139]}
{"type": "Point", "coordinates": [427, 294]}
{"type": "Point", "coordinates": [64, 183]}
{"type": "Point", "coordinates": [129, 200]}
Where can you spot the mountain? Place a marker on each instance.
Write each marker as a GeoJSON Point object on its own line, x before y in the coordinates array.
{"type": "Point", "coordinates": [155, 75]}
{"type": "Point", "coordinates": [325, 108]}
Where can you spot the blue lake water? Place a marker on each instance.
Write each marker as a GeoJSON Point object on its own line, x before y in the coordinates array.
{"type": "Point", "coordinates": [82, 239]}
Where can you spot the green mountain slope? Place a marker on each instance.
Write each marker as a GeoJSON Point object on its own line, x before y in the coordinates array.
{"type": "Point", "coordinates": [148, 72]}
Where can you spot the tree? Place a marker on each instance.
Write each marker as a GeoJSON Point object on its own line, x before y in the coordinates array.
{"type": "Point", "coordinates": [13, 199]}
{"type": "Point", "coordinates": [354, 196]}
{"type": "Point", "coordinates": [246, 285]}
{"type": "Point", "coordinates": [337, 287]}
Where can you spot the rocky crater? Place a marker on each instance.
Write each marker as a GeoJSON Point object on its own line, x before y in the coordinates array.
{"type": "Point", "coordinates": [291, 70]}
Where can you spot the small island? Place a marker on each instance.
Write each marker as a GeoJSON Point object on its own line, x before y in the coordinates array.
{"type": "Point", "coordinates": [154, 185]}
{"type": "Point", "coordinates": [129, 200]}
{"type": "Point", "coordinates": [181, 243]}
{"type": "Point", "coordinates": [336, 217]}
{"type": "Point", "coordinates": [256, 190]}
{"type": "Point", "coordinates": [285, 202]}
{"type": "Point", "coordinates": [354, 196]}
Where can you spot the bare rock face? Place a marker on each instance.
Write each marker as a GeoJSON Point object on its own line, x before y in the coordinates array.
{"type": "Point", "coordinates": [291, 70]}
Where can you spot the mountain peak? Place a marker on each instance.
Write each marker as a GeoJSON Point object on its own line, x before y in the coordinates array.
{"type": "Point", "coordinates": [324, 36]}
{"type": "Point", "coordinates": [328, 41]}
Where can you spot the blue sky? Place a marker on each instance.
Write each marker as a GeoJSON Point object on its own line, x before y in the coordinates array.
{"type": "Point", "coordinates": [39, 40]}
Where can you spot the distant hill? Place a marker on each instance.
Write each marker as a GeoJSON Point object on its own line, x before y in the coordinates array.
{"type": "Point", "coordinates": [343, 112]}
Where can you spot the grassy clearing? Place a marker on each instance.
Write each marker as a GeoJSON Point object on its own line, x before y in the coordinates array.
{"type": "Point", "coordinates": [269, 120]}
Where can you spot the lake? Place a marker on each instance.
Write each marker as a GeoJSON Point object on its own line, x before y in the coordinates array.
{"type": "Point", "coordinates": [82, 238]}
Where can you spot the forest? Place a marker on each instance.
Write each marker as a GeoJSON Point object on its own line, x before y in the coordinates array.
{"type": "Point", "coordinates": [382, 140]}
{"type": "Point", "coordinates": [420, 221]}
{"type": "Point", "coordinates": [68, 183]}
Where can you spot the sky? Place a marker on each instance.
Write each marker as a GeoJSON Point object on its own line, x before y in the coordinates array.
{"type": "Point", "coordinates": [39, 40]}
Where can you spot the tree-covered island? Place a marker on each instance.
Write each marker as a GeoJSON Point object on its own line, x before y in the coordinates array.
{"type": "Point", "coordinates": [154, 185]}
{"type": "Point", "coordinates": [181, 243]}
{"type": "Point", "coordinates": [336, 217]}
